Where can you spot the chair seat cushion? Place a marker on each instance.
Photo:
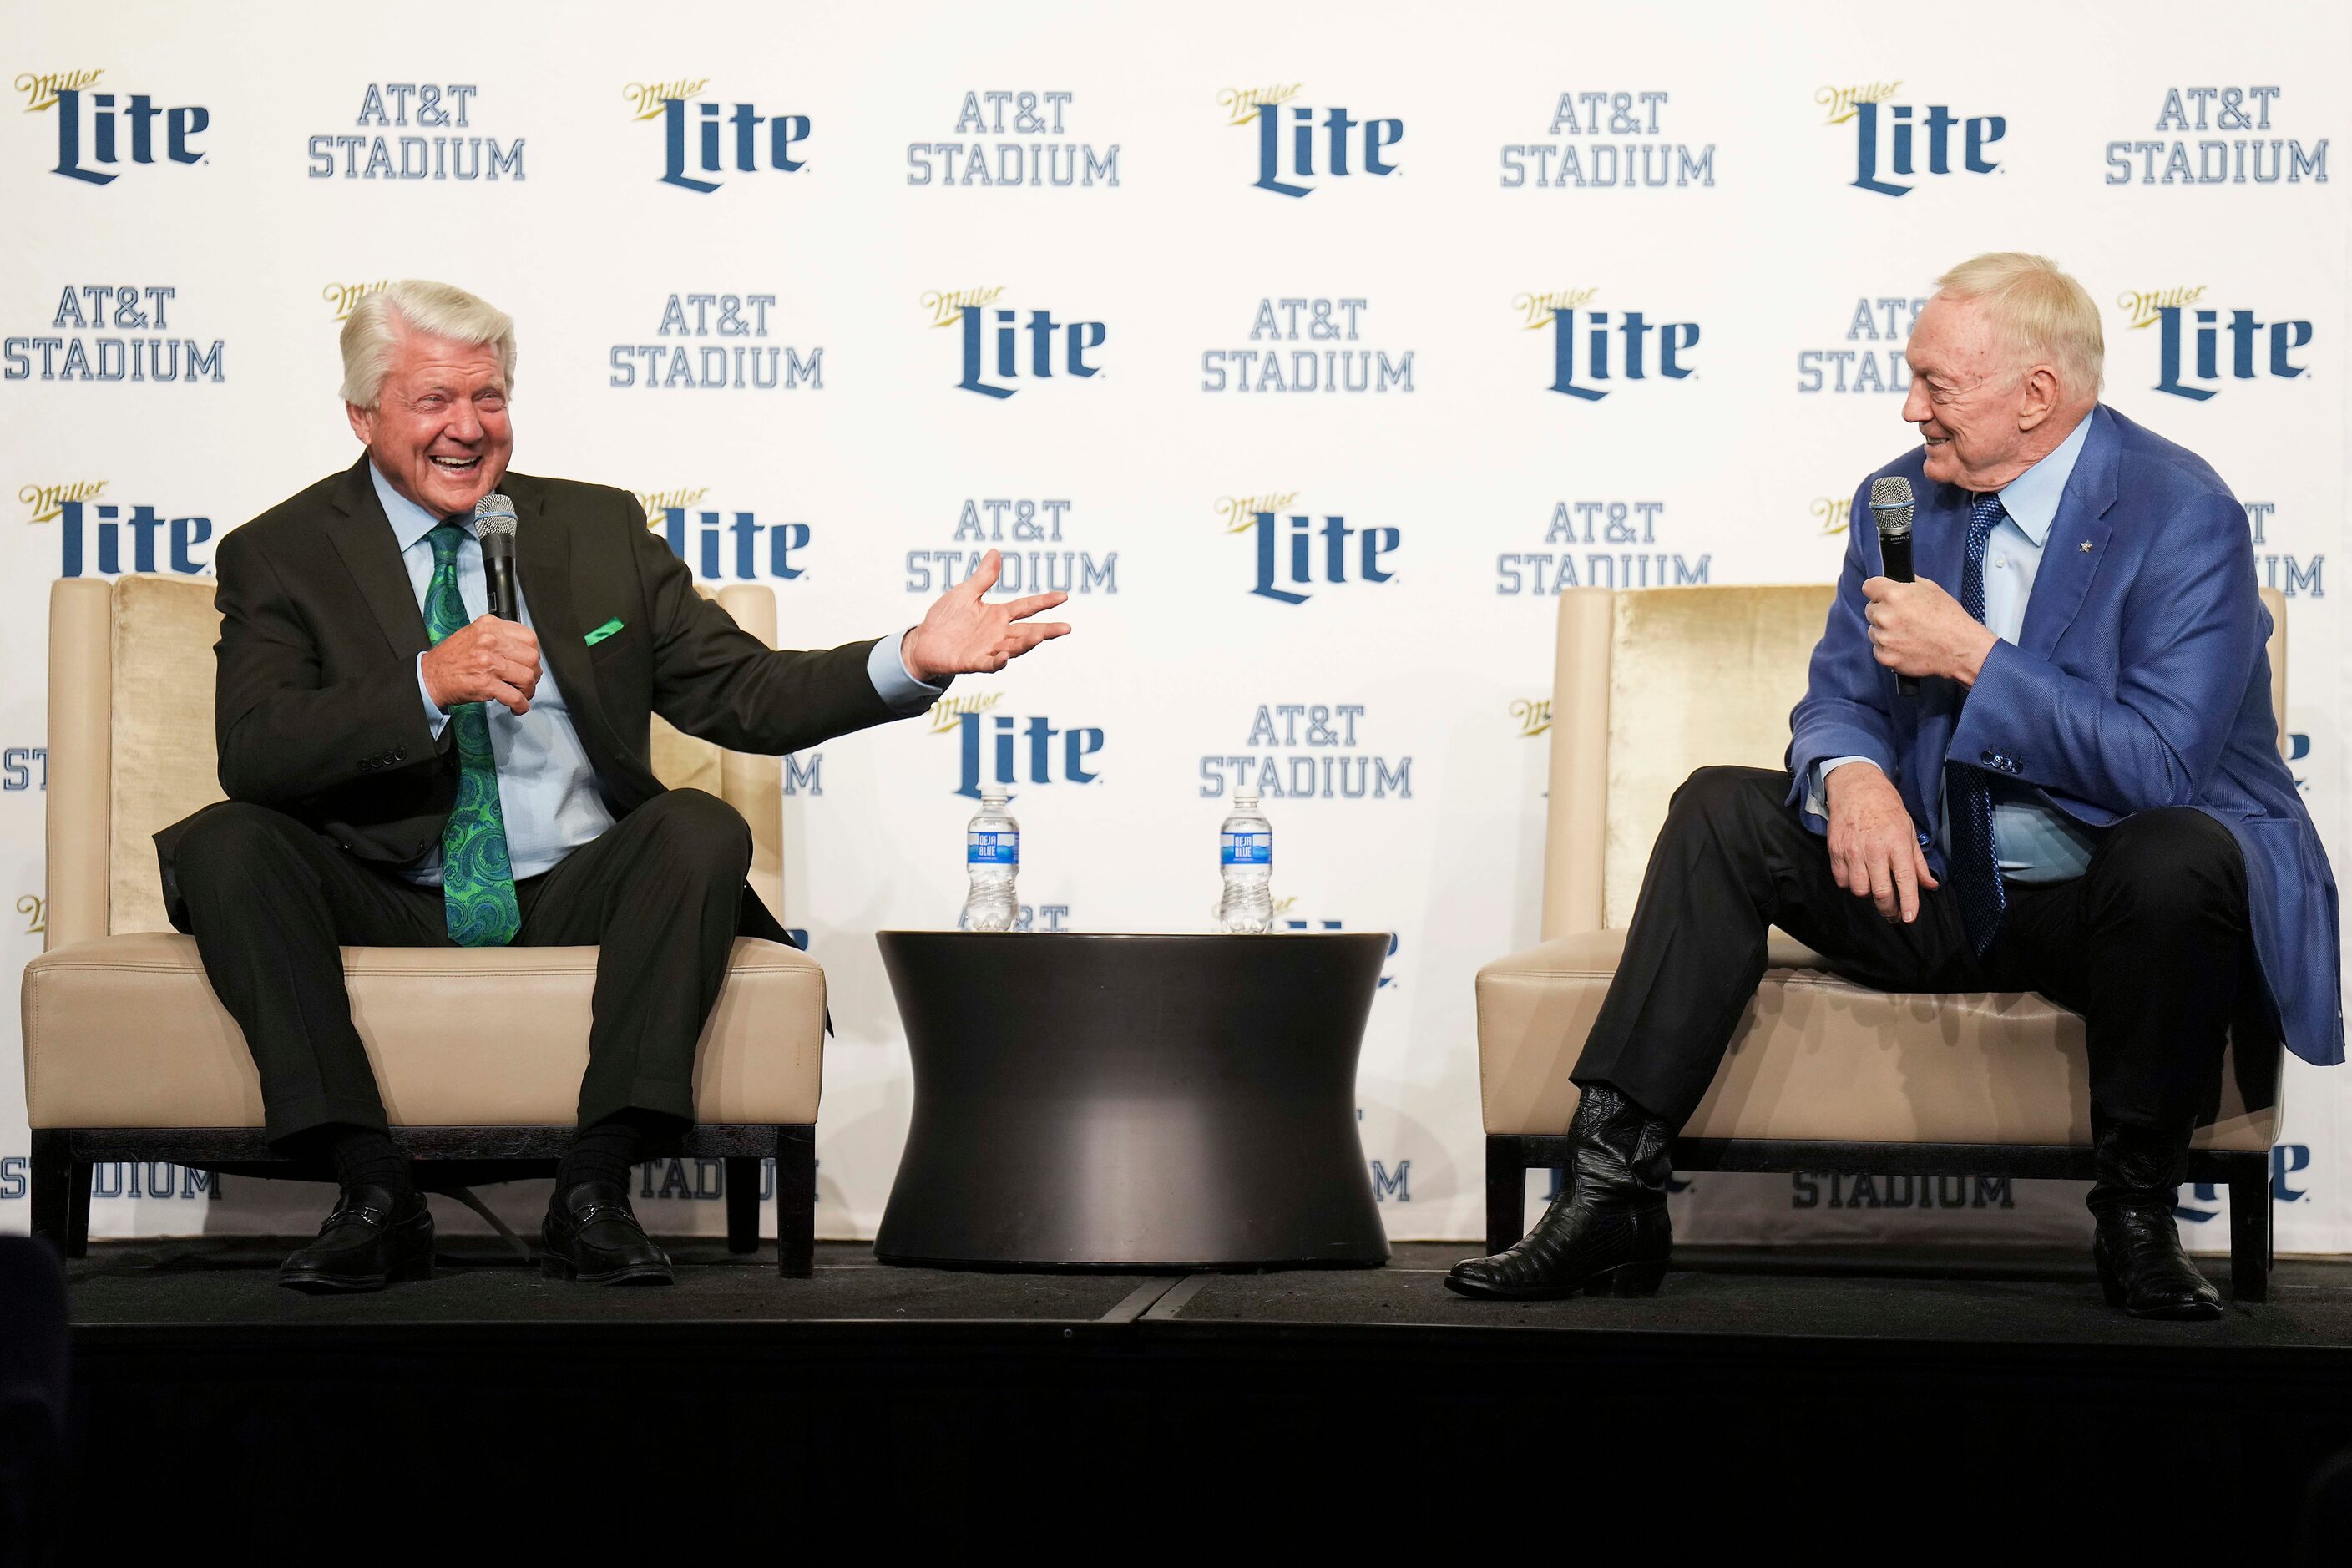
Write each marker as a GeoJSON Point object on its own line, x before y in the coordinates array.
{"type": "Point", "coordinates": [125, 1031]}
{"type": "Point", "coordinates": [1820, 1059]}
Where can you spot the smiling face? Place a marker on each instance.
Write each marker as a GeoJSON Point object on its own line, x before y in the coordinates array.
{"type": "Point", "coordinates": [1983, 415]}
{"type": "Point", "coordinates": [439, 432]}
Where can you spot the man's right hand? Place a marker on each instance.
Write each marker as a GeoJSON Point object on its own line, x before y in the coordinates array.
{"type": "Point", "coordinates": [1874, 850]}
{"type": "Point", "coordinates": [492, 660]}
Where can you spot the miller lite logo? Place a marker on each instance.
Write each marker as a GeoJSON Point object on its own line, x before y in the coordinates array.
{"type": "Point", "coordinates": [99, 130]}
{"type": "Point", "coordinates": [1296, 144]}
{"type": "Point", "coordinates": [1293, 554]}
{"type": "Point", "coordinates": [1591, 346]}
{"type": "Point", "coordinates": [95, 534]}
{"type": "Point", "coordinates": [702, 141]}
{"type": "Point", "coordinates": [1001, 748]}
{"type": "Point", "coordinates": [716, 545]}
{"type": "Point", "coordinates": [1896, 140]}
{"type": "Point", "coordinates": [2196, 343]}
{"type": "Point", "coordinates": [1001, 345]}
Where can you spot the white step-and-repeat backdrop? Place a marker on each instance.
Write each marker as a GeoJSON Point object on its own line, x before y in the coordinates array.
{"type": "Point", "coordinates": [1306, 260]}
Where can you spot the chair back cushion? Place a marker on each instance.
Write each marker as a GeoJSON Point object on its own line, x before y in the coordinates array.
{"type": "Point", "coordinates": [1697, 677]}
{"type": "Point", "coordinates": [1700, 676]}
{"type": "Point", "coordinates": [164, 763]}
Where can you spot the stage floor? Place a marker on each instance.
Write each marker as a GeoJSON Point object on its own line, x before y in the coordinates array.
{"type": "Point", "coordinates": [126, 1292]}
{"type": "Point", "coordinates": [1973, 1400]}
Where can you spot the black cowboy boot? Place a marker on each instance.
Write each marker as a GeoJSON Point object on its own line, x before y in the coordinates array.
{"type": "Point", "coordinates": [2137, 1250]}
{"type": "Point", "coordinates": [1606, 1232]}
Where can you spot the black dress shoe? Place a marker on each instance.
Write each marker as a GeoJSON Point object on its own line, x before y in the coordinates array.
{"type": "Point", "coordinates": [373, 1237]}
{"type": "Point", "coordinates": [1608, 1233]}
{"type": "Point", "coordinates": [593, 1236]}
{"type": "Point", "coordinates": [2138, 1249]}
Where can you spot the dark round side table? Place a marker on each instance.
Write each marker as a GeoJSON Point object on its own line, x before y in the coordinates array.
{"type": "Point", "coordinates": [1133, 1101]}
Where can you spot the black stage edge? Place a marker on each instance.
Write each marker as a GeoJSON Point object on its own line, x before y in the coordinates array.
{"type": "Point", "coordinates": [1783, 1405]}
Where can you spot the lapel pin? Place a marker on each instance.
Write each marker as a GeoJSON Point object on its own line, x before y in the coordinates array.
{"type": "Point", "coordinates": [2084, 547]}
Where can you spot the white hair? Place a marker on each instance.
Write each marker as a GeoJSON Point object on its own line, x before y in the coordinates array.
{"type": "Point", "coordinates": [441, 310]}
{"type": "Point", "coordinates": [2045, 313]}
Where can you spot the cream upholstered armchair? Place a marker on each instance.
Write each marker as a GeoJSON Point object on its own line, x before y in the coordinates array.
{"type": "Point", "coordinates": [129, 1055]}
{"type": "Point", "coordinates": [1822, 1075]}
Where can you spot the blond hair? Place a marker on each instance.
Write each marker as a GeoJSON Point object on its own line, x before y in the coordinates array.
{"type": "Point", "coordinates": [2046, 314]}
{"type": "Point", "coordinates": [441, 310]}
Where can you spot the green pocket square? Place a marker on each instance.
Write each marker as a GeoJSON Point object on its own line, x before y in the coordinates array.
{"type": "Point", "coordinates": [601, 633]}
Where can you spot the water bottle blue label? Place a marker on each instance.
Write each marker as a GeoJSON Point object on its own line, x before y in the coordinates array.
{"type": "Point", "coordinates": [991, 849]}
{"type": "Point", "coordinates": [1247, 850]}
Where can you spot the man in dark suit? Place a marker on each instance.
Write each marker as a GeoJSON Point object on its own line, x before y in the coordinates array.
{"type": "Point", "coordinates": [2081, 794]}
{"type": "Point", "coordinates": [404, 770]}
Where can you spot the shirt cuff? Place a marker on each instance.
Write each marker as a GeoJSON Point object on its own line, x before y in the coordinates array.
{"type": "Point", "coordinates": [1817, 788]}
{"type": "Point", "coordinates": [901, 692]}
{"type": "Point", "coordinates": [434, 718]}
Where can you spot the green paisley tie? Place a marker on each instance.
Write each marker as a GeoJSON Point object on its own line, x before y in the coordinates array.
{"type": "Point", "coordinates": [478, 890]}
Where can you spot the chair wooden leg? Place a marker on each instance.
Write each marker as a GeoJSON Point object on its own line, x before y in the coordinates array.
{"type": "Point", "coordinates": [77, 1209]}
{"type": "Point", "coordinates": [1507, 1193]}
{"type": "Point", "coordinates": [796, 1201]}
{"type": "Point", "coordinates": [2250, 1227]}
{"type": "Point", "coordinates": [52, 1173]}
{"type": "Point", "coordinates": [742, 1204]}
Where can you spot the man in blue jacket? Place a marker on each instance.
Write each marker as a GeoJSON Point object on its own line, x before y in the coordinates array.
{"type": "Point", "coordinates": [2081, 797]}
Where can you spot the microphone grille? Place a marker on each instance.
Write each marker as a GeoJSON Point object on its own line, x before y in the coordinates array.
{"type": "Point", "coordinates": [1890, 504]}
{"type": "Point", "coordinates": [496, 514]}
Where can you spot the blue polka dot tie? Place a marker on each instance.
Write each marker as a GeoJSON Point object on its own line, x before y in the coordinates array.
{"type": "Point", "coordinates": [1975, 865]}
{"type": "Point", "coordinates": [478, 890]}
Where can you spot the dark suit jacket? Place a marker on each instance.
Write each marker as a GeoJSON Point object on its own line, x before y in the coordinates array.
{"type": "Point", "coordinates": [317, 713]}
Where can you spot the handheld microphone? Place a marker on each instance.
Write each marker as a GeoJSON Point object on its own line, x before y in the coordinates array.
{"type": "Point", "coordinates": [1890, 504]}
{"type": "Point", "coordinates": [494, 522]}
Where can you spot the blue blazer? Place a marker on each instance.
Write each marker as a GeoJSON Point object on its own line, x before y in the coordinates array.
{"type": "Point", "coordinates": [2139, 680]}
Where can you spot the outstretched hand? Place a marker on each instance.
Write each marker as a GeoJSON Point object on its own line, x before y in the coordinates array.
{"type": "Point", "coordinates": [962, 634]}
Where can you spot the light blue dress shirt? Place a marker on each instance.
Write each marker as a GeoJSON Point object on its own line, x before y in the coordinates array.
{"type": "Point", "coordinates": [2035, 840]}
{"type": "Point", "coordinates": [547, 787]}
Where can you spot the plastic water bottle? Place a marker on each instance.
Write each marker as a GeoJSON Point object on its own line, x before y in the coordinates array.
{"type": "Point", "coordinates": [991, 854]}
{"type": "Point", "coordinates": [1245, 855]}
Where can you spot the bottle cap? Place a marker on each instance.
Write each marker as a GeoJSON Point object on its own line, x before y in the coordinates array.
{"type": "Point", "coordinates": [993, 797]}
{"type": "Point", "coordinates": [1245, 798]}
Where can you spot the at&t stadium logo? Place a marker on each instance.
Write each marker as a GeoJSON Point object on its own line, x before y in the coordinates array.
{"type": "Point", "coordinates": [1007, 524]}
{"type": "Point", "coordinates": [112, 331]}
{"type": "Point", "coordinates": [2217, 160]}
{"type": "Point", "coordinates": [2193, 342]}
{"type": "Point", "coordinates": [1599, 545]}
{"type": "Point", "coordinates": [1885, 319]}
{"type": "Point", "coordinates": [1590, 346]}
{"type": "Point", "coordinates": [438, 111]}
{"type": "Point", "coordinates": [1033, 163]}
{"type": "Point", "coordinates": [97, 131]}
{"type": "Point", "coordinates": [1294, 148]}
{"type": "Point", "coordinates": [1310, 369]}
{"type": "Point", "coordinates": [1894, 141]}
{"type": "Point", "coordinates": [1307, 751]}
{"type": "Point", "coordinates": [714, 140]}
{"type": "Point", "coordinates": [993, 341]}
{"type": "Point", "coordinates": [94, 534]}
{"type": "Point", "coordinates": [1607, 141]}
{"type": "Point", "coordinates": [724, 351]}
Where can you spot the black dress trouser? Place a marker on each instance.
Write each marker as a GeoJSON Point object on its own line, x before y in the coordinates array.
{"type": "Point", "coordinates": [659, 895]}
{"type": "Point", "coordinates": [2150, 945]}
